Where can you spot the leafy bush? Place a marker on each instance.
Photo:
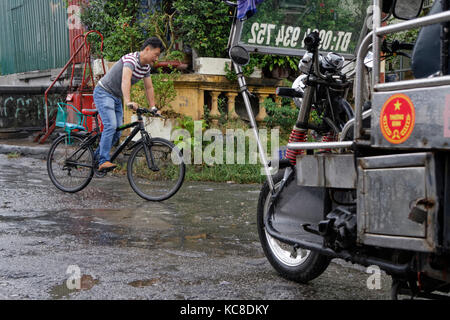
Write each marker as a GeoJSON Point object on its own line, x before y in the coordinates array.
{"type": "Point", "coordinates": [204, 25]}
{"type": "Point", "coordinates": [163, 84]}
{"type": "Point", "coordinates": [117, 21]}
{"type": "Point", "coordinates": [160, 23]}
{"type": "Point", "coordinates": [284, 116]}
{"type": "Point", "coordinates": [255, 61]}
{"type": "Point", "coordinates": [271, 61]}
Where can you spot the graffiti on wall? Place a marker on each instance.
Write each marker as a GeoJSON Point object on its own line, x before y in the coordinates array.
{"type": "Point", "coordinates": [26, 110]}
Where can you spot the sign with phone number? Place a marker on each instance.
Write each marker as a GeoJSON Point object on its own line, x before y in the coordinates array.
{"type": "Point", "coordinates": [292, 37]}
{"type": "Point", "coordinates": [280, 26]}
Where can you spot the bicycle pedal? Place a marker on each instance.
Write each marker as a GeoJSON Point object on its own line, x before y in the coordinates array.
{"type": "Point", "coordinates": [99, 174]}
{"type": "Point", "coordinates": [106, 170]}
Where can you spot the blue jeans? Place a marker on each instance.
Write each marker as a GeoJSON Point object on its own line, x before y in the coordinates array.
{"type": "Point", "coordinates": [110, 110]}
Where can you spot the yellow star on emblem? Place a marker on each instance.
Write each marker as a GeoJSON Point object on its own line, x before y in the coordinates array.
{"type": "Point", "coordinates": [397, 106]}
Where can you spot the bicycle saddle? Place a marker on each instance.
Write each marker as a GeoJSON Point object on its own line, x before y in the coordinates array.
{"type": "Point", "coordinates": [89, 112]}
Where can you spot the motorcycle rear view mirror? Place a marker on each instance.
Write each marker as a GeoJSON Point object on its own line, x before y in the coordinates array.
{"type": "Point", "coordinates": [407, 9]}
{"type": "Point", "coordinates": [239, 55]}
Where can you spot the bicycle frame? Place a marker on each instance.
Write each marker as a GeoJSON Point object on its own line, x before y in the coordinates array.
{"type": "Point", "coordinates": [146, 138]}
{"type": "Point", "coordinates": [138, 127]}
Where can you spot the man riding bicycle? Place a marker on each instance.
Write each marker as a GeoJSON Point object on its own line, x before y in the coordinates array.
{"type": "Point", "coordinates": [115, 86]}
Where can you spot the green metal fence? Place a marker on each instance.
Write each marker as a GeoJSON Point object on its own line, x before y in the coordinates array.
{"type": "Point", "coordinates": [34, 35]}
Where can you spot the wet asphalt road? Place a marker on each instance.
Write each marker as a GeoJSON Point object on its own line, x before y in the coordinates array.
{"type": "Point", "coordinates": [201, 244]}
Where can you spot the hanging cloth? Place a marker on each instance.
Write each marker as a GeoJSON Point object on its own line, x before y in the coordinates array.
{"type": "Point", "coordinates": [247, 8]}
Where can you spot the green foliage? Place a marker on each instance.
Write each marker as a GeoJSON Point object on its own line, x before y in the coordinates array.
{"type": "Point", "coordinates": [316, 118]}
{"type": "Point", "coordinates": [204, 25]}
{"type": "Point", "coordinates": [13, 155]}
{"type": "Point", "coordinates": [222, 118]}
{"type": "Point", "coordinates": [187, 123]}
{"type": "Point", "coordinates": [255, 61]}
{"type": "Point", "coordinates": [270, 61]}
{"type": "Point", "coordinates": [237, 173]}
{"type": "Point", "coordinates": [174, 55]}
{"type": "Point", "coordinates": [284, 116]}
{"type": "Point", "coordinates": [116, 20]}
{"type": "Point", "coordinates": [222, 106]}
{"type": "Point", "coordinates": [163, 84]}
{"type": "Point", "coordinates": [160, 24]}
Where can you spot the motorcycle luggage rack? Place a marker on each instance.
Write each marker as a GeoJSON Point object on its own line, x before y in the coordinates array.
{"type": "Point", "coordinates": [320, 145]}
{"type": "Point", "coordinates": [374, 37]}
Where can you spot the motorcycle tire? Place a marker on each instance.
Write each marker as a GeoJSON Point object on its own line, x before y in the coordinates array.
{"type": "Point", "coordinates": [291, 264]}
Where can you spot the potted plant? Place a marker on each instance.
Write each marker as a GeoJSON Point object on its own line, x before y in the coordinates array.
{"type": "Point", "coordinates": [205, 26]}
{"type": "Point", "coordinates": [172, 60]}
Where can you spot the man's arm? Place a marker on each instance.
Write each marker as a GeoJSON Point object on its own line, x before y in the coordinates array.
{"type": "Point", "coordinates": [150, 92]}
{"type": "Point", "coordinates": [126, 87]}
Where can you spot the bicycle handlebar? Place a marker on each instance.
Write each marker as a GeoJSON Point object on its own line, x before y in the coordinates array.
{"type": "Point", "coordinates": [153, 113]}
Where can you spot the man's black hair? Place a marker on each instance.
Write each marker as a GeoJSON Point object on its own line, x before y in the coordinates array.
{"type": "Point", "coordinates": [154, 43]}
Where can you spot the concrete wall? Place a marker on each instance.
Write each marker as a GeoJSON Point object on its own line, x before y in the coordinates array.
{"type": "Point", "coordinates": [25, 110]}
{"type": "Point", "coordinates": [22, 102]}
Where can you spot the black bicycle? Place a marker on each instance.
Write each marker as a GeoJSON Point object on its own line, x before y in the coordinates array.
{"type": "Point", "coordinates": [155, 168]}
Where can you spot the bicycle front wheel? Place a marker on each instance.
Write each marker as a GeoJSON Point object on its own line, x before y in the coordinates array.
{"type": "Point", "coordinates": [159, 174]}
{"type": "Point", "coordinates": [69, 165]}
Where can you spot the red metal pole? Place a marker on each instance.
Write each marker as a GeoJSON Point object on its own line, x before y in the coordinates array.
{"type": "Point", "coordinates": [53, 83]}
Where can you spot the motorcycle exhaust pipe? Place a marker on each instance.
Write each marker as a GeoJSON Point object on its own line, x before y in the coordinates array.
{"type": "Point", "coordinates": [388, 266]}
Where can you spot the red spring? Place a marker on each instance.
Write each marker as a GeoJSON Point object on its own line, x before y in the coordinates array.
{"type": "Point", "coordinates": [329, 137]}
{"type": "Point", "coordinates": [297, 135]}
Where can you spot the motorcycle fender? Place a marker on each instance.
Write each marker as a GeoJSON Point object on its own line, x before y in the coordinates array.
{"type": "Point", "coordinates": [300, 205]}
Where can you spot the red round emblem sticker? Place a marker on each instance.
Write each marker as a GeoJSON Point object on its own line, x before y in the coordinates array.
{"type": "Point", "coordinates": [397, 118]}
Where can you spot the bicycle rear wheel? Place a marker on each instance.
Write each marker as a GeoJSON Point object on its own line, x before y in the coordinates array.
{"type": "Point", "coordinates": [165, 175]}
{"type": "Point", "coordinates": [70, 166]}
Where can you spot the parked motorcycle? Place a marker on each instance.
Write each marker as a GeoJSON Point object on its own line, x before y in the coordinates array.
{"type": "Point", "coordinates": [323, 88]}
{"type": "Point", "coordinates": [376, 189]}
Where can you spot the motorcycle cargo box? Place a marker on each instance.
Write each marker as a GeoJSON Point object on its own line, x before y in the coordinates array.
{"type": "Point", "coordinates": [398, 201]}
{"type": "Point", "coordinates": [327, 170]}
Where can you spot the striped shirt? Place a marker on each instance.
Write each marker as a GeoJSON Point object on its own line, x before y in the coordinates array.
{"type": "Point", "coordinates": [112, 81]}
{"type": "Point", "coordinates": [131, 61]}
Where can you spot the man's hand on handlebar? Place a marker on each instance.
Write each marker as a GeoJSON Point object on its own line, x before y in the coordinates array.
{"type": "Point", "coordinates": [133, 106]}
{"type": "Point", "coordinates": [154, 112]}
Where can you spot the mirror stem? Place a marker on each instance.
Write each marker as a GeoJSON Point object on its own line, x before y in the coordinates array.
{"type": "Point", "coordinates": [445, 40]}
{"type": "Point", "coordinates": [262, 155]}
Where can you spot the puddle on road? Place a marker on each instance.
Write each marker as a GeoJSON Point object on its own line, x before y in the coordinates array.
{"type": "Point", "coordinates": [62, 291]}
{"type": "Point", "coordinates": [143, 283]}
{"type": "Point", "coordinates": [203, 217]}
{"type": "Point", "coordinates": [135, 218]}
